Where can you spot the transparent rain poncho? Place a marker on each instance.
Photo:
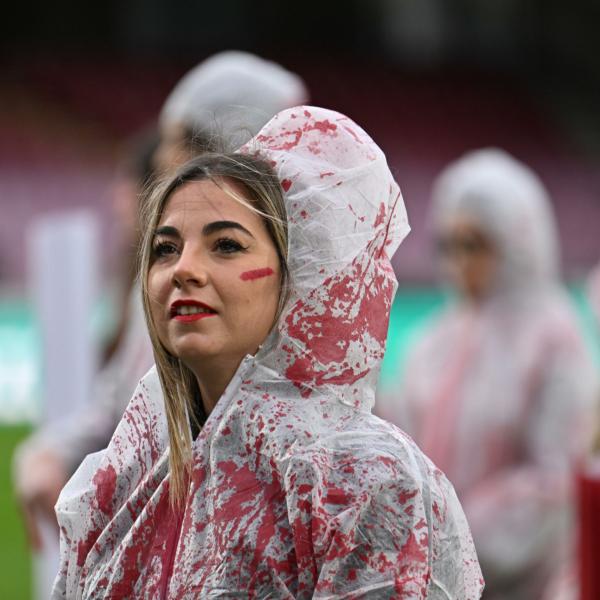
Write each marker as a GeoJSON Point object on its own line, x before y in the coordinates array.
{"type": "Point", "coordinates": [297, 490]}
{"type": "Point", "coordinates": [500, 395]}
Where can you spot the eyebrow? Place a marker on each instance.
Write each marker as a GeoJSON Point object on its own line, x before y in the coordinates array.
{"type": "Point", "coordinates": [168, 231]}
{"type": "Point", "coordinates": [215, 226]}
{"type": "Point", "coordinates": [207, 230]}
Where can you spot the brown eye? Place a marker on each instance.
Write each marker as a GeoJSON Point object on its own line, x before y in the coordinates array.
{"type": "Point", "coordinates": [228, 246]}
{"type": "Point", "coordinates": [162, 249]}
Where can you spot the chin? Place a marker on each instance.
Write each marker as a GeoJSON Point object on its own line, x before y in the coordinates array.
{"type": "Point", "coordinates": [194, 346]}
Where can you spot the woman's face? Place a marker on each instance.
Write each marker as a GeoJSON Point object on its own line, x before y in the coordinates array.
{"type": "Point", "coordinates": [469, 257]}
{"type": "Point", "coordinates": [214, 282]}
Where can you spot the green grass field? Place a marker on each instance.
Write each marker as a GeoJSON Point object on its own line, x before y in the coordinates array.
{"type": "Point", "coordinates": [15, 583]}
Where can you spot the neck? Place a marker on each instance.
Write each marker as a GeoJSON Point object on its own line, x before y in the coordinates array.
{"type": "Point", "coordinates": [213, 379]}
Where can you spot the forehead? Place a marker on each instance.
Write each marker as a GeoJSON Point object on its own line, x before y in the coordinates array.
{"type": "Point", "coordinates": [201, 202]}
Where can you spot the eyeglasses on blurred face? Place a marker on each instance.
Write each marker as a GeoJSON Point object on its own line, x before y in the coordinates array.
{"type": "Point", "coordinates": [468, 257]}
{"type": "Point", "coordinates": [466, 244]}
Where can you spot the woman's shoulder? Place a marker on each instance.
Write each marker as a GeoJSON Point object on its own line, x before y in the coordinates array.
{"type": "Point", "coordinates": [369, 484]}
{"type": "Point", "coordinates": [555, 323]}
{"type": "Point", "coordinates": [368, 455]}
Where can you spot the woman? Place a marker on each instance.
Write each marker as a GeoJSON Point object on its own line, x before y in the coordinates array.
{"type": "Point", "coordinates": [499, 391]}
{"type": "Point", "coordinates": [267, 287]}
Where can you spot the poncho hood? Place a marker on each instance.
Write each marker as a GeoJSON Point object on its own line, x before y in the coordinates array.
{"type": "Point", "coordinates": [511, 205]}
{"type": "Point", "coordinates": [297, 490]}
{"type": "Point", "coordinates": [231, 95]}
{"type": "Point", "coordinates": [346, 218]}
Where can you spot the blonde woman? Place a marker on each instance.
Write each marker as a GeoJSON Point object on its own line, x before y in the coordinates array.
{"type": "Point", "coordinates": [259, 471]}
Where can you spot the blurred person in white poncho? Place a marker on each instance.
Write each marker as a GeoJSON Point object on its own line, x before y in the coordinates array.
{"type": "Point", "coordinates": [500, 389]}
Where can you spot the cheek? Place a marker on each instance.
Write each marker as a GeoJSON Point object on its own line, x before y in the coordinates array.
{"type": "Point", "coordinates": [489, 270]}
{"type": "Point", "coordinates": [270, 299]}
{"type": "Point", "coordinates": [158, 292]}
{"type": "Point", "coordinates": [258, 291]}
{"type": "Point", "coordinates": [480, 268]}
{"type": "Point", "coordinates": [456, 267]}
{"type": "Point", "coordinates": [465, 273]}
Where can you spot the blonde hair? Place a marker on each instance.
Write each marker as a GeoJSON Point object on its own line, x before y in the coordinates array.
{"type": "Point", "coordinates": [264, 196]}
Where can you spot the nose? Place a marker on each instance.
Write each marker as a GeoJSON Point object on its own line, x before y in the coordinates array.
{"type": "Point", "coordinates": [189, 271]}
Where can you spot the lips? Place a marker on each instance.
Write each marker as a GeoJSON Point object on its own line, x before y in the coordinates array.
{"type": "Point", "coordinates": [190, 310]}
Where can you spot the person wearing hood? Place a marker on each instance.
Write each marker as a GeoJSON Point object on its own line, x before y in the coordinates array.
{"type": "Point", "coordinates": [248, 462]}
{"type": "Point", "coordinates": [219, 103]}
{"type": "Point", "coordinates": [499, 392]}
{"type": "Point", "coordinates": [223, 102]}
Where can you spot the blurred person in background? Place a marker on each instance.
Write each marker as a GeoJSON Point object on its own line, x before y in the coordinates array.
{"type": "Point", "coordinates": [44, 462]}
{"type": "Point", "coordinates": [221, 103]}
{"type": "Point", "coordinates": [499, 392]}
{"type": "Point", "coordinates": [217, 106]}
{"type": "Point", "coordinates": [135, 173]}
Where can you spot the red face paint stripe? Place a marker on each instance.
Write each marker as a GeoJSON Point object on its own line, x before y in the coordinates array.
{"type": "Point", "coordinates": [256, 274]}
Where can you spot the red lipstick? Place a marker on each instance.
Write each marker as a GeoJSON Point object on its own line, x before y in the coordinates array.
{"type": "Point", "coordinates": [186, 311]}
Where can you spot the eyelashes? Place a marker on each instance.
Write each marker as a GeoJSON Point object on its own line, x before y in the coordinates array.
{"type": "Point", "coordinates": [228, 246]}
{"type": "Point", "coordinates": [223, 246]}
{"type": "Point", "coordinates": [162, 249]}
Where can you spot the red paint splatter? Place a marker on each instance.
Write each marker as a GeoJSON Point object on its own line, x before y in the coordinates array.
{"type": "Point", "coordinates": [84, 546]}
{"type": "Point", "coordinates": [337, 496]}
{"type": "Point", "coordinates": [361, 219]}
{"type": "Point", "coordinates": [268, 140]}
{"type": "Point", "coordinates": [405, 496]}
{"type": "Point", "coordinates": [387, 460]}
{"type": "Point", "coordinates": [353, 134]}
{"type": "Point", "coordinates": [348, 307]}
{"type": "Point", "coordinates": [323, 126]}
{"type": "Point", "coordinates": [157, 535]}
{"type": "Point", "coordinates": [105, 481]}
{"type": "Point", "coordinates": [256, 274]}
{"type": "Point", "coordinates": [413, 550]}
{"type": "Point", "coordinates": [251, 514]}
{"type": "Point", "coordinates": [288, 139]}
{"type": "Point", "coordinates": [379, 220]}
